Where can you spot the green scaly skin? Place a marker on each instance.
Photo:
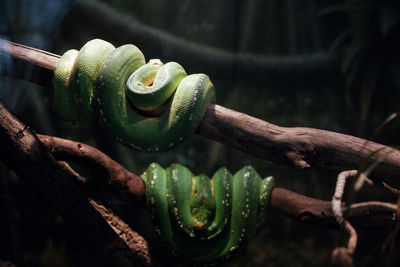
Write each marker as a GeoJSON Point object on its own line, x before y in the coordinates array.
{"type": "Point", "coordinates": [119, 78]}
{"type": "Point", "coordinates": [205, 220]}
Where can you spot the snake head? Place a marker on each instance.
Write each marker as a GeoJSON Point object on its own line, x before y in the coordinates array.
{"type": "Point", "coordinates": [202, 203]}
{"type": "Point", "coordinates": [200, 217]}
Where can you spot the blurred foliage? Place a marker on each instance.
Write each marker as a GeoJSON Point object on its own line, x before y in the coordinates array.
{"type": "Point", "coordinates": [371, 59]}
{"type": "Point", "coordinates": [361, 35]}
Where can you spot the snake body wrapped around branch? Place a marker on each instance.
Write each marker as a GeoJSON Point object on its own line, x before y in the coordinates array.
{"type": "Point", "coordinates": [200, 219]}
{"type": "Point", "coordinates": [116, 83]}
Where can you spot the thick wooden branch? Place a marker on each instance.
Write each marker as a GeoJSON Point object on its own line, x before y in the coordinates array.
{"type": "Point", "coordinates": [126, 184]}
{"type": "Point", "coordinates": [22, 151]}
{"type": "Point", "coordinates": [303, 148]}
{"type": "Point", "coordinates": [131, 187]}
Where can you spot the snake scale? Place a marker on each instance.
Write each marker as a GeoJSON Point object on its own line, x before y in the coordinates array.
{"type": "Point", "coordinates": [200, 219]}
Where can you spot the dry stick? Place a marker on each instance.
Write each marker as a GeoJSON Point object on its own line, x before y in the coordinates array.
{"type": "Point", "coordinates": [340, 254]}
{"type": "Point", "coordinates": [344, 255]}
{"type": "Point", "coordinates": [300, 147]}
{"type": "Point", "coordinates": [22, 151]}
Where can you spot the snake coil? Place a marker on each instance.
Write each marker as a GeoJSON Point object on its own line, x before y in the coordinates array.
{"type": "Point", "coordinates": [204, 220]}
{"type": "Point", "coordinates": [118, 79]}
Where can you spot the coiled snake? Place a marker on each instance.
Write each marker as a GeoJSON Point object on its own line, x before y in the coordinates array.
{"type": "Point", "coordinates": [200, 219]}
{"type": "Point", "coordinates": [100, 72]}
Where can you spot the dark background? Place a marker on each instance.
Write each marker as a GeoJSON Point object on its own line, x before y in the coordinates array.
{"type": "Point", "coordinates": [331, 65]}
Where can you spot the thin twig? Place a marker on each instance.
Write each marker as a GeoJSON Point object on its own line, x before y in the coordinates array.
{"type": "Point", "coordinates": [343, 255]}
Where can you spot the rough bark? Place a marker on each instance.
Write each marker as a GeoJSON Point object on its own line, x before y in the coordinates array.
{"type": "Point", "coordinates": [300, 147]}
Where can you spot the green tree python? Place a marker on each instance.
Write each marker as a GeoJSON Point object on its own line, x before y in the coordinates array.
{"type": "Point", "coordinates": [205, 220]}
{"type": "Point", "coordinates": [111, 81]}
{"type": "Point", "coordinates": [198, 218]}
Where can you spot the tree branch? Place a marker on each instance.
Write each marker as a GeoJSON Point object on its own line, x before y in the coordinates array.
{"type": "Point", "coordinates": [304, 209]}
{"type": "Point", "coordinates": [299, 147]}
{"type": "Point", "coordinates": [126, 184]}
